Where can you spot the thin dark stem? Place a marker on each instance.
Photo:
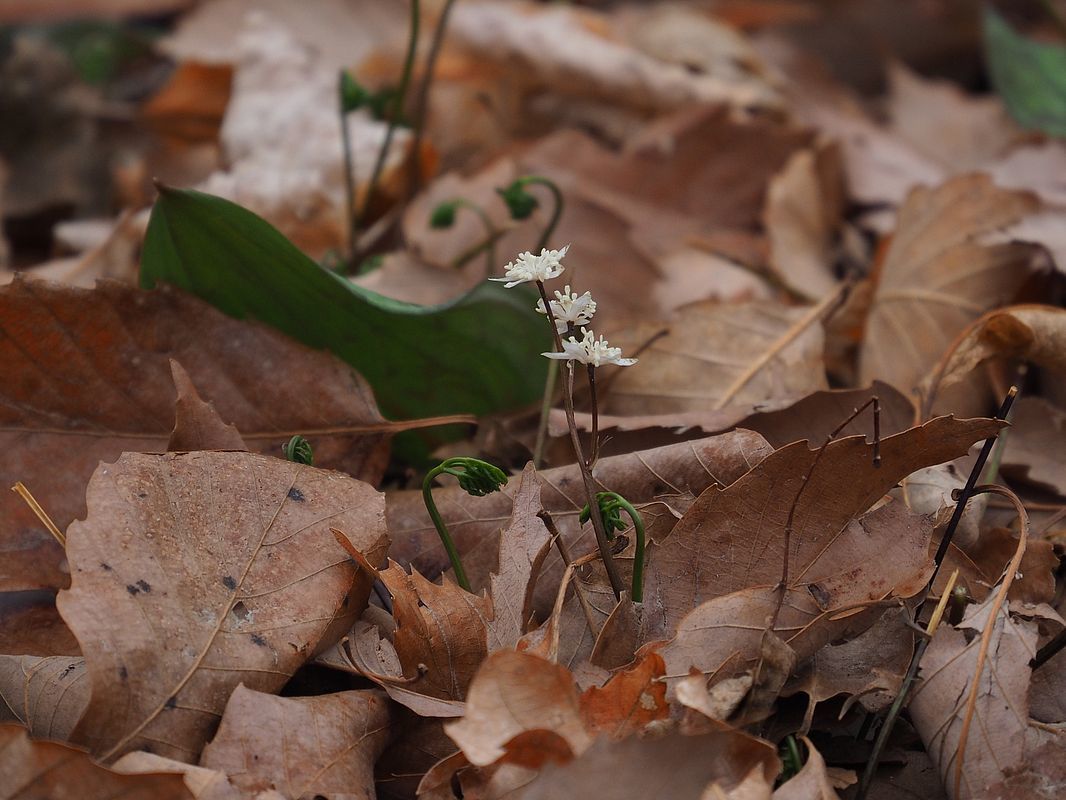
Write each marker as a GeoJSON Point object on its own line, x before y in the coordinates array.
{"type": "Point", "coordinates": [442, 530]}
{"type": "Point", "coordinates": [422, 105]}
{"type": "Point", "coordinates": [783, 588]}
{"type": "Point", "coordinates": [964, 497]}
{"type": "Point", "coordinates": [349, 178]}
{"type": "Point", "coordinates": [602, 542]}
{"type": "Point", "coordinates": [1049, 650]}
{"type": "Point", "coordinates": [557, 211]}
{"type": "Point", "coordinates": [394, 117]}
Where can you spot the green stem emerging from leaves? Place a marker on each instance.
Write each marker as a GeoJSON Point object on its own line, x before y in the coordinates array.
{"type": "Point", "coordinates": [444, 217]}
{"type": "Point", "coordinates": [521, 203]}
{"type": "Point", "coordinates": [476, 477]}
{"type": "Point", "coordinates": [346, 89]}
{"type": "Point", "coordinates": [422, 106]}
{"type": "Point", "coordinates": [394, 117]}
{"type": "Point", "coordinates": [611, 505]}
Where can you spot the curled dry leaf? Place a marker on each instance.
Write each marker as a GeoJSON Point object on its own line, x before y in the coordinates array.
{"type": "Point", "coordinates": [937, 276]}
{"type": "Point", "coordinates": [639, 477]}
{"type": "Point", "coordinates": [301, 746]}
{"type": "Point", "coordinates": [732, 539]}
{"type": "Point", "coordinates": [52, 771]}
{"type": "Point", "coordinates": [717, 355]}
{"type": "Point", "coordinates": [1000, 734]}
{"type": "Point", "coordinates": [47, 695]}
{"type": "Point", "coordinates": [203, 783]}
{"type": "Point", "coordinates": [88, 377]}
{"type": "Point", "coordinates": [719, 764]}
{"type": "Point", "coordinates": [193, 573]}
{"type": "Point", "coordinates": [197, 426]}
{"type": "Point", "coordinates": [514, 693]}
{"type": "Point", "coordinates": [1032, 333]}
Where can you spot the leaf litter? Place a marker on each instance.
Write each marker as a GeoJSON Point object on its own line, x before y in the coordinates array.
{"type": "Point", "coordinates": [780, 231]}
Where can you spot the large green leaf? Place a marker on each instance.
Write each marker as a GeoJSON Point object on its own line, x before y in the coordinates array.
{"type": "Point", "coordinates": [476, 355]}
{"type": "Point", "coordinates": [1030, 76]}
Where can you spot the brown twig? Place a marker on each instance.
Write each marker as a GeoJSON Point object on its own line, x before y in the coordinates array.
{"type": "Point", "coordinates": [564, 553]}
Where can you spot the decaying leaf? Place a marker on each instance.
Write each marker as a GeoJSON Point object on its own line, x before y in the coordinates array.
{"type": "Point", "coordinates": [731, 539]}
{"type": "Point", "coordinates": [193, 573]}
{"type": "Point", "coordinates": [52, 771]}
{"type": "Point", "coordinates": [937, 276]}
{"type": "Point", "coordinates": [301, 746]}
{"type": "Point", "coordinates": [632, 699]}
{"type": "Point", "coordinates": [47, 695]}
{"type": "Point", "coordinates": [87, 377]}
{"type": "Point", "coordinates": [717, 355]}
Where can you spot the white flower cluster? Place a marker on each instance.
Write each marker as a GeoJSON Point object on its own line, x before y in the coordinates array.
{"type": "Point", "coordinates": [569, 309]}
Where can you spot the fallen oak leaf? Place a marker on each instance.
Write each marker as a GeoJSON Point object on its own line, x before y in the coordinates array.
{"type": "Point", "coordinates": [193, 573]}
{"type": "Point", "coordinates": [52, 771]}
{"type": "Point", "coordinates": [263, 743]}
{"type": "Point", "coordinates": [629, 701]}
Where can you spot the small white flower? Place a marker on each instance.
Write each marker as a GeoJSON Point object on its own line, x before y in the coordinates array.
{"type": "Point", "coordinates": [528, 267]}
{"type": "Point", "coordinates": [569, 308]}
{"type": "Point", "coordinates": [591, 352]}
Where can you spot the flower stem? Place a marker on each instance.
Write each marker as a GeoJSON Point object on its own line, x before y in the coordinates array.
{"type": "Point", "coordinates": [637, 591]}
{"type": "Point", "coordinates": [602, 542]}
{"type": "Point", "coordinates": [595, 445]}
{"type": "Point", "coordinates": [394, 117]}
{"type": "Point", "coordinates": [490, 229]}
{"type": "Point", "coordinates": [557, 210]}
{"type": "Point", "coordinates": [545, 410]}
{"type": "Point", "coordinates": [422, 106]}
{"type": "Point", "coordinates": [442, 530]}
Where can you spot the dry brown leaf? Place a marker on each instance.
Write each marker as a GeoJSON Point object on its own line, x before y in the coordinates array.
{"type": "Point", "coordinates": [717, 355]}
{"type": "Point", "coordinates": [441, 632]}
{"type": "Point", "coordinates": [47, 695]}
{"type": "Point", "coordinates": [1000, 734]}
{"type": "Point", "coordinates": [731, 539]}
{"type": "Point", "coordinates": [197, 426]}
{"type": "Point", "coordinates": [88, 377]}
{"type": "Point", "coordinates": [193, 573]}
{"type": "Point", "coordinates": [301, 746]}
{"type": "Point", "coordinates": [575, 52]}
{"type": "Point", "coordinates": [813, 782]}
{"type": "Point", "coordinates": [514, 693]}
{"type": "Point", "coordinates": [929, 491]}
{"type": "Point", "coordinates": [1032, 333]}
{"type": "Point", "coordinates": [524, 543]}
{"type": "Point", "coordinates": [712, 706]}
{"type": "Point", "coordinates": [804, 209]}
{"type": "Point", "coordinates": [940, 121]}
{"type": "Point", "coordinates": [51, 771]}
{"type": "Point", "coordinates": [640, 477]}
{"type": "Point", "coordinates": [630, 701]}
{"type": "Point", "coordinates": [1035, 581]}
{"type": "Point", "coordinates": [937, 276]}
{"type": "Point", "coordinates": [1037, 444]}
{"type": "Point", "coordinates": [869, 668]}
{"type": "Point", "coordinates": [714, 765]}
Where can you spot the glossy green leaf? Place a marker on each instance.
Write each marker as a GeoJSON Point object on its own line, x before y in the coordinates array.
{"type": "Point", "coordinates": [478, 354]}
{"type": "Point", "coordinates": [1030, 76]}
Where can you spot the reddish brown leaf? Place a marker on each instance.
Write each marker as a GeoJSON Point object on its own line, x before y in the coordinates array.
{"type": "Point", "coordinates": [629, 701]}
{"type": "Point", "coordinates": [197, 426]}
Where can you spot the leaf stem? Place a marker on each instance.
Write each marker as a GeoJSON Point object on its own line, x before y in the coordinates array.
{"type": "Point", "coordinates": [422, 105]}
{"type": "Point", "coordinates": [394, 117]}
{"type": "Point", "coordinates": [442, 529]}
{"type": "Point", "coordinates": [349, 165]}
{"type": "Point", "coordinates": [557, 210]}
{"type": "Point", "coordinates": [492, 237]}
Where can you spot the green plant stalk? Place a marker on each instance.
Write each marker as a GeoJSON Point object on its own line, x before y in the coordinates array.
{"type": "Point", "coordinates": [545, 410]}
{"type": "Point", "coordinates": [442, 530]}
{"type": "Point", "coordinates": [637, 591]}
{"type": "Point", "coordinates": [397, 107]}
{"type": "Point", "coordinates": [349, 180]}
{"type": "Point", "coordinates": [422, 107]}
{"type": "Point", "coordinates": [557, 211]}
